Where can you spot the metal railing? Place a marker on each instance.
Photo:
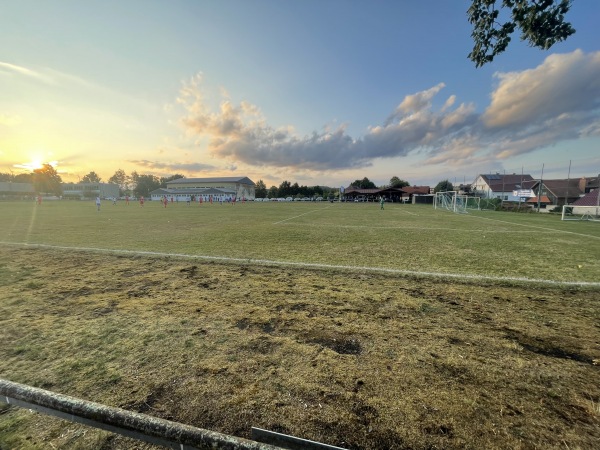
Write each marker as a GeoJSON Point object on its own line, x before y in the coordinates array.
{"type": "Point", "coordinates": [127, 423]}
{"type": "Point", "coordinates": [143, 427]}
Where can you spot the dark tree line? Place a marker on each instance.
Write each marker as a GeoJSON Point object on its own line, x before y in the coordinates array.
{"type": "Point", "coordinates": [287, 189]}
{"type": "Point", "coordinates": [46, 180]}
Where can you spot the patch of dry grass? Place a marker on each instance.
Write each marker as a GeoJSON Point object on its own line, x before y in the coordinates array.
{"type": "Point", "coordinates": [356, 360]}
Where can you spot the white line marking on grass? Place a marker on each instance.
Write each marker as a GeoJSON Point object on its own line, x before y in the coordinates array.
{"type": "Point", "coordinates": [268, 262]}
{"type": "Point", "coordinates": [405, 212]}
{"type": "Point", "coordinates": [295, 217]}
{"type": "Point", "coordinates": [332, 225]}
{"type": "Point", "coordinates": [535, 226]}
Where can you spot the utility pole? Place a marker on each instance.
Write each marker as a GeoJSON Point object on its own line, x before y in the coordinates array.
{"type": "Point", "coordinates": [540, 189]}
{"type": "Point", "coordinates": [520, 187]}
{"type": "Point", "coordinates": [568, 181]}
{"type": "Point", "coordinates": [503, 179]}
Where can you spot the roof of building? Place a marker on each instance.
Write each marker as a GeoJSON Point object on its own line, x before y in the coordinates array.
{"type": "Point", "coordinates": [416, 189]}
{"type": "Point", "coordinates": [589, 199]}
{"type": "Point", "coordinates": [191, 191]}
{"type": "Point", "coordinates": [353, 190]}
{"type": "Point", "coordinates": [505, 183]}
{"type": "Point", "coordinates": [544, 199]}
{"type": "Point", "coordinates": [242, 180]}
{"type": "Point", "coordinates": [561, 188]}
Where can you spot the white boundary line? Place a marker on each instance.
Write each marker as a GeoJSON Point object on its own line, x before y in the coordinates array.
{"type": "Point", "coordinates": [303, 214]}
{"type": "Point", "coordinates": [329, 225]}
{"type": "Point", "coordinates": [535, 226]}
{"type": "Point", "coordinates": [402, 211]}
{"type": "Point", "coordinates": [267, 262]}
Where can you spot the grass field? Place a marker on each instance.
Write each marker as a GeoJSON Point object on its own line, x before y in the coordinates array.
{"type": "Point", "coordinates": [416, 239]}
{"type": "Point", "coordinates": [406, 328]}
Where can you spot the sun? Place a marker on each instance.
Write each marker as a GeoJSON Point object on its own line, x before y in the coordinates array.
{"type": "Point", "coordinates": [34, 164]}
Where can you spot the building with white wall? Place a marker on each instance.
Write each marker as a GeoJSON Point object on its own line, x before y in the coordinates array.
{"type": "Point", "coordinates": [217, 188]}
{"type": "Point", "coordinates": [505, 187]}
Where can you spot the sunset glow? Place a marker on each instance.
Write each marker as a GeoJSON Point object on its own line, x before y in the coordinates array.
{"type": "Point", "coordinates": [35, 164]}
{"type": "Point", "coordinates": [392, 96]}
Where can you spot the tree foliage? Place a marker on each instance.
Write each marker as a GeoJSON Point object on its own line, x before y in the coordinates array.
{"type": "Point", "coordinates": [396, 182]}
{"type": "Point", "coordinates": [145, 184]}
{"type": "Point", "coordinates": [365, 183]}
{"type": "Point", "coordinates": [19, 178]}
{"type": "Point", "coordinates": [23, 178]}
{"type": "Point", "coordinates": [91, 177]}
{"type": "Point", "coordinates": [443, 186]}
{"type": "Point", "coordinates": [120, 178]}
{"type": "Point", "coordinates": [260, 189]}
{"type": "Point", "coordinates": [165, 180]}
{"type": "Point", "coordinates": [542, 24]}
{"type": "Point", "coordinates": [47, 180]}
{"type": "Point", "coordinates": [285, 189]}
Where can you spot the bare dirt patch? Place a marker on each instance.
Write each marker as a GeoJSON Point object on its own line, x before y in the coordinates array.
{"type": "Point", "coordinates": [360, 361]}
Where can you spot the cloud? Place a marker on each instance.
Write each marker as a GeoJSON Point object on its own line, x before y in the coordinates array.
{"type": "Point", "coordinates": [13, 69]}
{"type": "Point", "coordinates": [173, 167]}
{"type": "Point", "coordinates": [556, 101]}
{"type": "Point", "coordinates": [562, 84]}
{"type": "Point", "coordinates": [241, 133]}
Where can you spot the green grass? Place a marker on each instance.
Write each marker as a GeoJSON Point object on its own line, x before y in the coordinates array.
{"type": "Point", "coordinates": [401, 237]}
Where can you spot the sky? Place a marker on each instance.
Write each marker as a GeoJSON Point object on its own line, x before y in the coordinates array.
{"type": "Point", "coordinates": [319, 92]}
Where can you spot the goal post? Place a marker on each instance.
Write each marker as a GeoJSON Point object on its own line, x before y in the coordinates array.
{"type": "Point", "coordinates": [570, 212]}
{"type": "Point", "coordinates": [453, 201]}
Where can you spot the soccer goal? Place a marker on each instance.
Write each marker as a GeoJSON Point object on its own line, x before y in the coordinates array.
{"type": "Point", "coordinates": [452, 201]}
{"type": "Point", "coordinates": [581, 213]}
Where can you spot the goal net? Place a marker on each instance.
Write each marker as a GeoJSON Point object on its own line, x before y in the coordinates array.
{"type": "Point", "coordinates": [452, 201]}
{"type": "Point", "coordinates": [581, 213]}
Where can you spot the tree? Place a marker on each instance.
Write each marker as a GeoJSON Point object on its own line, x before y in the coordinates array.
{"type": "Point", "coordinates": [23, 178]}
{"type": "Point", "coordinates": [120, 178]}
{"type": "Point", "coordinates": [47, 180]}
{"type": "Point", "coordinates": [91, 177]}
{"type": "Point", "coordinates": [285, 189]}
{"type": "Point", "coordinates": [145, 184]}
{"type": "Point", "coordinates": [542, 24]}
{"type": "Point", "coordinates": [132, 180]}
{"type": "Point", "coordinates": [272, 192]}
{"type": "Point", "coordinates": [260, 189]}
{"type": "Point", "coordinates": [396, 182]}
{"type": "Point", "coordinates": [6, 176]}
{"type": "Point", "coordinates": [443, 186]}
{"type": "Point", "coordinates": [365, 183]}
{"type": "Point", "coordinates": [164, 181]}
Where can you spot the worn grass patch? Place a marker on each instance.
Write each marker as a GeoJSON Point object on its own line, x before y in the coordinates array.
{"type": "Point", "coordinates": [363, 361]}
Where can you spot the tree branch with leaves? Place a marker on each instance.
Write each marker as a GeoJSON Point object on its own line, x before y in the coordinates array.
{"type": "Point", "coordinates": [542, 24]}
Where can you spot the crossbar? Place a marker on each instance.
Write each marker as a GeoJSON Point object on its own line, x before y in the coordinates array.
{"type": "Point", "coordinates": [127, 423]}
